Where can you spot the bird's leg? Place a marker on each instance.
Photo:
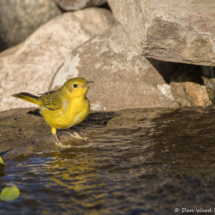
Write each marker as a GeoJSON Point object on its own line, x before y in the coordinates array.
{"type": "Point", "coordinates": [76, 135]}
{"type": "Point", "coordinates": [58, 143]}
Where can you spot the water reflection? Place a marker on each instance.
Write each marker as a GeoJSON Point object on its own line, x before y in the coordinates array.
{"type": "Point", "coordinates": [76, 172]}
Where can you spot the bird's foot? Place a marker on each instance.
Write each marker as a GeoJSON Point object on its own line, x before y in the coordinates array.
{"type": "Point", "coordinates": [85, 138]}
{"type": "Point", "coordinates": [58, 143]}
{"type": "Point", "coordinates": [63, 146]}
{"type": "Point", "coordinates": [77, 136]}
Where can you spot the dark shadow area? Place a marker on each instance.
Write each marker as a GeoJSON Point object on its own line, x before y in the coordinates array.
{"type": "Point", "coordinates": [178, 72]}
{"type": "Point", "coordinates": [3, 45]}
{"type": "Point", "coordinates": [166, 69]}
{"type": "Point", "coordinates": [105, 6]}
{"type": "Point", "coordinates": [188, 73]}
{"type": "Point", "coordinates": [96, 119]}
{"type": "Point", "coordinates": [35, 112]}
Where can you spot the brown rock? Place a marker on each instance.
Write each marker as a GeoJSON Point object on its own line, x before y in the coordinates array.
{"type": "Point", "coordinates": [209, 81]}
{"type": "Point", "coordinates": [19, 19]}
{"type": "Point", "coordinates": [77, 4]}
{"type": "Point", "coordinates": [187, 87]}
{"type": "Point", "coordinates": [30, 66]}
{"type": "Point", "coordinates": [175, 31]}
{"type": "Point", "coordinates": [124, 79]}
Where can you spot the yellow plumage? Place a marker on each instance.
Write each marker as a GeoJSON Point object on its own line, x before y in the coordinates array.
{"type": "Point", "coordinates": [63, 108]}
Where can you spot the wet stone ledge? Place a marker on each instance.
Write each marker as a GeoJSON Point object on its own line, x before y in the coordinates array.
{"type": "Point", "coordinates": [24, 131]}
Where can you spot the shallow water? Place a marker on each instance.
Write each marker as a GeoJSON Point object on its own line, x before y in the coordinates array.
{"type": "Point", "coordinates": [148, 161]}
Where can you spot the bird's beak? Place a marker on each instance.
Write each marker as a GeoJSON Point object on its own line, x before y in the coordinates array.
{"type": "Point", "coordinates": [88, 84]}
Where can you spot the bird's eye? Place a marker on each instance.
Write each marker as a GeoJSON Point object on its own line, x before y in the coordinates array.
{"type": "Point", "coordinates": [75, 85]}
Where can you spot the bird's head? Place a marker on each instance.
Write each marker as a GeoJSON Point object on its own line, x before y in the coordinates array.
{"type": "Point", "coordinates": [76, 87]}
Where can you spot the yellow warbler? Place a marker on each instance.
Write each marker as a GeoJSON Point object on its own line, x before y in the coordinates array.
{"type": "Point", "coordinates": [63, 108]}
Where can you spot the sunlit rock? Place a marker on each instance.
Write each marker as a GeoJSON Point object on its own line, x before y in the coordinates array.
{"type": "Point", "coordinates": [170, 30]}
{"type": "Point", "coordinates": [30, 66]}
{"type": "Point", "coordinates": [123, 78]}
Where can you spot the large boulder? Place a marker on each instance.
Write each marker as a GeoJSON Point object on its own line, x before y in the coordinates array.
{"type": "Point", "coordinates": [170, 30]}
{"type": "Point", "coordinates": [78, 4]}
{"type": "Point", "coordinates": [19, 19]}
{"type": "Point", "coordinates": [30, 66]}
{"type": "Point", "coordinates": [123, 78]}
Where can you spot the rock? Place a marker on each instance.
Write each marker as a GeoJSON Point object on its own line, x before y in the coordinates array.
{"type": "Point", "coordinates": [30, 66]}
{"type": "Point", "coordinates": [124, 79]}
{"type": "Point", "coordinates": [175, 31]}
{"type": "Point", "coordinates": [209, 81]}
{"type": "Point", "coordinates": [19, 19]}
{"type": "Point", "coordinates": [77, 4]}
{"type": "Point", "coordinates": [187, 87]}
{"type": "Point", "coordinates": [21, 132]}
{"type": "Point", "coordinates": [24, 132]}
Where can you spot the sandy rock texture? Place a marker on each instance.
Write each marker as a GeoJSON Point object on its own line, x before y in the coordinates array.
{"type": "Point", "coordinates": [123, 78]}
{"type": "Point", "coordinates": [187, 87]}
{"type": "Point", "coordinates": [176, 31]}
{"type": "Point", "coordinates": [19, 19]}
{"type": "Point", "coordinates": [30, 66]}
{"type": "Point", "coordinates": [78, 4]}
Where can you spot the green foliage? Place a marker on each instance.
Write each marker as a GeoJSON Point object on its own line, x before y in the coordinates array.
{"type": "Point", "coordinates": [9, 193]}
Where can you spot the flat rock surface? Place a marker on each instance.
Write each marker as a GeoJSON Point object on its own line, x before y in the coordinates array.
{"type": "Point", "coordinates": [176, 31]}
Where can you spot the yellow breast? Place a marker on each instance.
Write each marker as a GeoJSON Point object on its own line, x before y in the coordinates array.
{"type": "Point", "coordinates": [72, 113]}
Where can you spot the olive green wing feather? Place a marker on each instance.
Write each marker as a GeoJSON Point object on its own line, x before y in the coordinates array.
{"type": "Point", "coordinates": [51, 100]}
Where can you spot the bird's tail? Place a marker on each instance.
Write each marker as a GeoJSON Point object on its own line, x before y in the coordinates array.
{"type": "Point", "coordinates": [28, 97]}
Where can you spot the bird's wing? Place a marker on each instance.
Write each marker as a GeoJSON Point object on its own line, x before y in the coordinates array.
{"type": "Point", "coordinates": [51, 100]}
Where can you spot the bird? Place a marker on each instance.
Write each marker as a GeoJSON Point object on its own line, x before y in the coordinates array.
{"type": "Point", "coordinates": [63, 108]}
